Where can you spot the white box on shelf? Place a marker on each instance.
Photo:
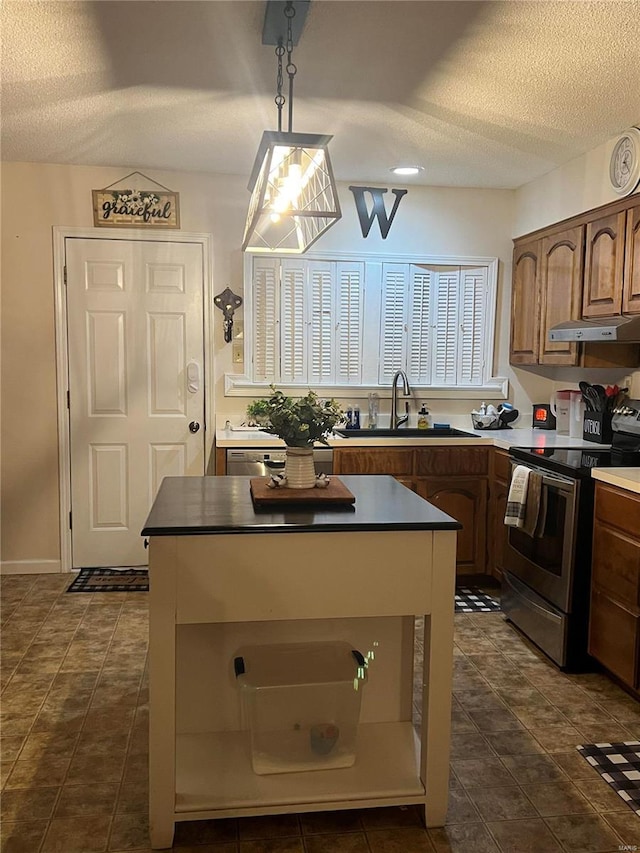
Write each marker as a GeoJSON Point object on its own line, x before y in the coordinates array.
{"type": "Point", "coordinates": [300, 704]}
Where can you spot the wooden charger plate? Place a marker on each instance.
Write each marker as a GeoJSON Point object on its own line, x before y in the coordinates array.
{"type": "Point", "coordinates": [335, 494]}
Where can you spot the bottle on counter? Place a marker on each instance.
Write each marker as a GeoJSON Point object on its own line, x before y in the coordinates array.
{"type": "Point", "coordinates": [374, 402]}
{"type": "Point", "coordinates": [349, 416]}
{"type": "Point", "coordinates": [424, 418]}
{"type": "Point", "coordinates": [356, 417]}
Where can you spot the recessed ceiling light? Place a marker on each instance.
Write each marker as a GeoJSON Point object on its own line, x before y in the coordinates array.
{"type": "Point", "coordinates": [406, 170]}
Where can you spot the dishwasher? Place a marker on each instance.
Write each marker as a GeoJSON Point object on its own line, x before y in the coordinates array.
{"type": "Point", "coordinates": [249, 462]}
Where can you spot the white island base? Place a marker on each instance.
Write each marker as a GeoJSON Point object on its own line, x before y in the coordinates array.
{"type": "Point", "coordinates": [212, 593]}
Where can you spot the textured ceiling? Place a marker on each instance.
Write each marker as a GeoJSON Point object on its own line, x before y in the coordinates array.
{"type": "Point", "coordinates": [481, 94]}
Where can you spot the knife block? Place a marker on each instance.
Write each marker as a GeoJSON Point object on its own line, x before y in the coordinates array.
{"type": "Point", "coordinates": [596, 426]}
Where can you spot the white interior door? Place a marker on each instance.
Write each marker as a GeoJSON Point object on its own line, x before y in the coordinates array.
{"type": "Point", "coordinates": [136, 386]}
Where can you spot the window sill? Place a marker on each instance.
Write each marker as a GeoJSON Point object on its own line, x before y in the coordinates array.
{"type": "Point", "coordinates": [236, 385]}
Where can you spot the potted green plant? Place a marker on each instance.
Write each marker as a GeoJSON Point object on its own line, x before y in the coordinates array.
{"type": "Point", "coordinates": [299, 422]}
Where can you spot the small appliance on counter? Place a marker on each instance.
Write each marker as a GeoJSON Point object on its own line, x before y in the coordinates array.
{"type": "Point", "coordinates": [543, 417]}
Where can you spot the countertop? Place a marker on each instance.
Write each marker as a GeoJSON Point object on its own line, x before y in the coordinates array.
{"type": "Point", "coordinates": [504, 439]}
{"type": "Point", "coordinates": [210, 505]}
{"type": "Point", "coordinates": [624, 478]}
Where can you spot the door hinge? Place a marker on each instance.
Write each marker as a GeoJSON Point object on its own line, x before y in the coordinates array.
{"type": "Point", "coordinates": [65, 273]}
{"type": "Point", "coordinates": [68, 399]}
{"type": "Point", "coordinates": [70, 522]}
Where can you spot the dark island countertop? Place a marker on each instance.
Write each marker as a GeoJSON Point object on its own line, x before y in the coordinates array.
{"type": "Point", "coordinates": [206, 505]}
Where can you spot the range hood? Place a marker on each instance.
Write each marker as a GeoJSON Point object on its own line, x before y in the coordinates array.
{"type": "Point", "coordinates": [604, 329]}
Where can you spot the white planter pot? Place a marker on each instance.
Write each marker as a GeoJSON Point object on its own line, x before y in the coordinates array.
{"type": "Point", "coordinates": [299, 468]}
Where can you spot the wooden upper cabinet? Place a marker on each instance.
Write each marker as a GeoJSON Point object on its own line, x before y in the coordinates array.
{"type": "Point", "coordinates": [525, 304]}
{"type": "Point", "coordinates": [631, 290]}
{"type": "Point", "coordinates": [604, 265]}
{"type": "Point", "coordinates": [561, 268]}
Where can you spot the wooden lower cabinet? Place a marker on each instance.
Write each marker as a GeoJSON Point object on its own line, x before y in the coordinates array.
{"type": "Point", "coordinates": [465, 499]}
{"type": "Point", "coordinates": [398, 462]}
{"type": "Point", "coordinates": [455, 479]}
{"type": "Point", "coordinates": [614, 625]}
{"type": "Point", "coordinates": [497, 538]}
{"type": "Point", "coordinates": [613, 637]}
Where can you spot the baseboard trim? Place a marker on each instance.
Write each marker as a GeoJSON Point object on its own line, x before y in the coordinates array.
{"type": "Point", "coordinates": [30, 567]}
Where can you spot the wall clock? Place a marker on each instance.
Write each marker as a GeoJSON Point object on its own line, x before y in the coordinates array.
{"type": "Point", "coordinates": [624, 166]}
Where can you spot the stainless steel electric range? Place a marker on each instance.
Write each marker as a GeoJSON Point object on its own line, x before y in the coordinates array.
{"type": "Point", "coordinates": [547, 577]}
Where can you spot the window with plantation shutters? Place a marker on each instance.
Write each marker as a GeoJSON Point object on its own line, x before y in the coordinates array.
{"type": "Point", "coordinates": [349, 323]}
{"type": "Point", "coordinates": [322, 322]}
{"type": "Point", "coordinates": [264, 328]}
{"type": "Point", "coordinates": [344, 323]}
{"type": "Point", "coordinates": [446, 324]}
{"type": "Point", "coordinates": [293, 322]}
{"type": "Point", "coordinates": [393, 326]}
{"type": "Point", "coordinates": [420, 336]}
{"type": "Point", "coordinates": [472, 326]}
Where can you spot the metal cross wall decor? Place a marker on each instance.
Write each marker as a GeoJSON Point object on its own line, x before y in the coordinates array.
{"type": "Point", "coordinates": [227, 302]}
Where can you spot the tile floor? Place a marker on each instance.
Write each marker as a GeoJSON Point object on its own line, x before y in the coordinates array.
{"type": "Point", "coordinates": [74, 748]}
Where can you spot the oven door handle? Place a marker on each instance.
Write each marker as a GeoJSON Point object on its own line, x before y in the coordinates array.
{"type": "Point", "coordinates": [549, 480]}
{"type": "Point", "coordinates": [556, 483]}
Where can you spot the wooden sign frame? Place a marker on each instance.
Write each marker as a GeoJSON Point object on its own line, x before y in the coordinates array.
{"type": "Point", "coordinates": [128, 208]}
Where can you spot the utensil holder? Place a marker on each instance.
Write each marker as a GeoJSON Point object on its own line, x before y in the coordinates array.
{"type": "Point", "coordinates": [596, 426]}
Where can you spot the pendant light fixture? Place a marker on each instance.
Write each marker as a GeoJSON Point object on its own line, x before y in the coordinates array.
{"type": "Point", "coordinates": [294, 198]}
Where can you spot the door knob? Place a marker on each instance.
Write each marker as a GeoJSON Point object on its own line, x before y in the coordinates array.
{"type": "Point", "coordinates": [194, 426]}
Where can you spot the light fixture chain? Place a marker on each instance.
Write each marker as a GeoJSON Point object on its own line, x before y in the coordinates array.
{"type": "Point", "coordinates": [279, 98]}
{"type": "Point", "coordinates": [290, 11]}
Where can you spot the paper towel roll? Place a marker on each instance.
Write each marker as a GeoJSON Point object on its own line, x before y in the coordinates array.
{"type": "Point", "coordinates": [634, 386]}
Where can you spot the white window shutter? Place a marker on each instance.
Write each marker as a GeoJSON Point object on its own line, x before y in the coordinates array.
{"type": "Point", "coordinates": [329, 322]}
{"type": "Point", "coordinates": [420, 322]}
{"type": "Point", "coordinates": [293, 327]}
{"type": "Point", "coordinates": [447, 300]}
{"type": "Point", "coordinates": [472, 326]}
{"type": "Point", "coordinates": [266, 272]}
{"type": "Point", "coordinates": [393, 320]}
{"type": "Point", "coordinates": [321, 346]}
{"type": "Point", "coordinates": [349, 322]}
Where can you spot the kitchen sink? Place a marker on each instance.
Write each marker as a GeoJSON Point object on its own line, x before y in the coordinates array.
{"type": "Point", "coordinates": [433, 432]}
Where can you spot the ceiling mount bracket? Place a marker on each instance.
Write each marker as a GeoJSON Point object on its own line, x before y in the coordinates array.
{"type": "Point", "coordinates": [274, 29]}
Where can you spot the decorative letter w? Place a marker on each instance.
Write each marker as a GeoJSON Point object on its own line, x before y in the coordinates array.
{"type": "Point", "coordinates": [378, 209]}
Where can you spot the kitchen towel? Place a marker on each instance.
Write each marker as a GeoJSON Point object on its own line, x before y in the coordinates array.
{"type": "Point", "coordinates": [532, 503]}
{"type": "Point", "coordinates": [517, 498]}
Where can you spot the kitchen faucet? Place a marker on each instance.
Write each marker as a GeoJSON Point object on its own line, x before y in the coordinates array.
{"type": "Point", "coordinates": [397, 420]}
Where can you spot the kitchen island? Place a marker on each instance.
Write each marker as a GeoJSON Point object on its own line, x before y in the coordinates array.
{"type": "Point", "coordinates": [224, 575]}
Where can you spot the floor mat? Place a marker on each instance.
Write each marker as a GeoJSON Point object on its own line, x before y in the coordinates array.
{"type": "Point", "coordinates": [111, 580]}
{"type": "Point", "coordinates": [619, 766]}
{"type": "Point", "coordinates": [472, 600]}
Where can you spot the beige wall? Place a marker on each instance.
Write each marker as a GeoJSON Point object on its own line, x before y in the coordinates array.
{"type": "Point", "coordinates": [579, 185]}
{"type": "Point", "coordinates": [34, 199]}
{"type": "Point", "coordinates": [37, 197]}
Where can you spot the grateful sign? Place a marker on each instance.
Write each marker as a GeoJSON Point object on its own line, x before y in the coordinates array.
{"type": "Point", "coordinates": [135, 208]}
